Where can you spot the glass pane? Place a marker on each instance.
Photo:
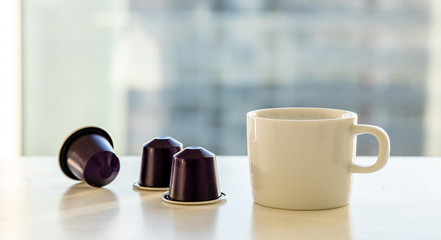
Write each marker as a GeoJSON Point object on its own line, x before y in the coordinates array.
{"type": "Point", "coordinates": [192, 69]}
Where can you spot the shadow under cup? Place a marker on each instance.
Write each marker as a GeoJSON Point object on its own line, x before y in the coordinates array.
{"type": "Point", "coordinates": [301, 158]}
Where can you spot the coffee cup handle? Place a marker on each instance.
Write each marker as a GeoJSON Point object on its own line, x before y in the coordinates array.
{"type": "Point", "coordinates": [383, 148]}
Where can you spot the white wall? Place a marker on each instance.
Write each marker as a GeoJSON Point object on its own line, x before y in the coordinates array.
{"type": "Point", "coordinates": [10, 79]}
{"type": "Point", "coordinates": [433, 105]}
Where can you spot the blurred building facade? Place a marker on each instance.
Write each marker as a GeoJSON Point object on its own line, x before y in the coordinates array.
{"type": "Point", "coordinates": [221, 59]}
{"type": "Point", "coordinates": [192, 69]}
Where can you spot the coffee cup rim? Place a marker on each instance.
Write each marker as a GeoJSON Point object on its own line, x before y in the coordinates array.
{"type": "Point", "coordinates": [343, 114]}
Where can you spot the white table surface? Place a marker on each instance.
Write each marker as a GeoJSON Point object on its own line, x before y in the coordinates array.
{"type": "Point", "coordinates": [401, 201]}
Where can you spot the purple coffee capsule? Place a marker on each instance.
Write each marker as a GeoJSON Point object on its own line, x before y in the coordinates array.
{"type": "Point", "coordinates": [194, 178]}
{"type": "Point", "coordinates": [87, 155]}
{"type": "Point", "coordinates": [156, 161]}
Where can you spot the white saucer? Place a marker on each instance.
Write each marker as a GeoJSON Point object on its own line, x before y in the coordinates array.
{"type": "Point", "coordinates": [166, 198]}
{"type": "Point", "coordinates": [139, 187]}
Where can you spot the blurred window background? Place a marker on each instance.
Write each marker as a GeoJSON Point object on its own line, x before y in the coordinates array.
{"type": "Point", "coordinates": [192, 69]}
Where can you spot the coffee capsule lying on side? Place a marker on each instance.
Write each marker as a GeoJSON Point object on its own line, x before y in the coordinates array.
{"type": "Point", "coordinates": [88, 155]}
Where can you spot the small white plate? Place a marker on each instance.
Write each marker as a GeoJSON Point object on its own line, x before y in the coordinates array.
{"type": "Point", "coordinates": [139, 187]}
{"type": "Point", "coordinates": [166, 198]}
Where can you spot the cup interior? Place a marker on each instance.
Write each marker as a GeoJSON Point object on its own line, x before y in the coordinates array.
{"type": "Point", "coordinates": [302, 114]}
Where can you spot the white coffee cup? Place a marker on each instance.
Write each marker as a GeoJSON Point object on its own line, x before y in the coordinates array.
{"type": "Point", "coordinates": [303, 158]}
